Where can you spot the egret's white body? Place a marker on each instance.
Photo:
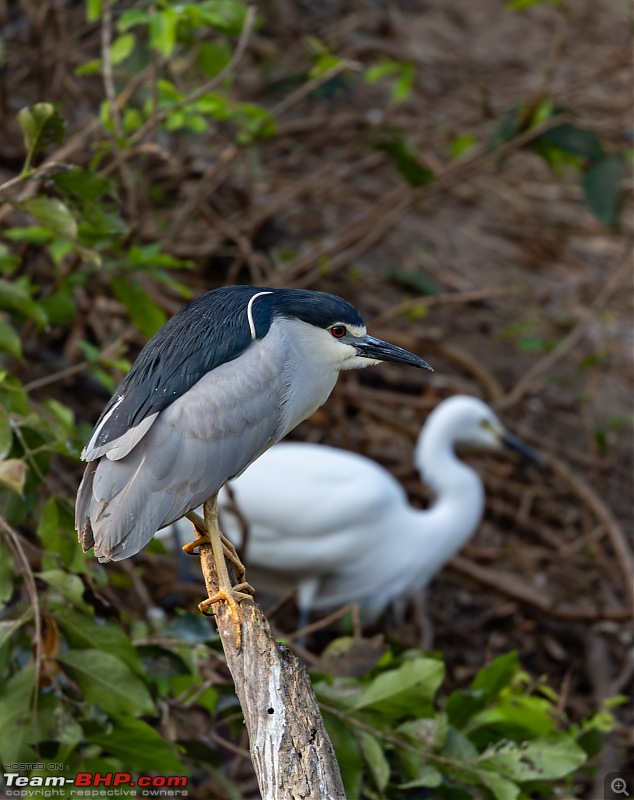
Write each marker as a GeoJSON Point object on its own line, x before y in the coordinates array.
{"type": "Point", "coordinates": [339, 528]}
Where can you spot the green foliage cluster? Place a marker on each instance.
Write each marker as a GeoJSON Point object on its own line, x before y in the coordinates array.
{"type": "Point", "coordinates": [108, 688]}
{"type": "Point", "coordinates": [501, 738]}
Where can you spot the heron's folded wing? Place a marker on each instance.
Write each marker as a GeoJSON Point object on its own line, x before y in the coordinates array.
{"type": "Point", "coordinates": [193, 447]}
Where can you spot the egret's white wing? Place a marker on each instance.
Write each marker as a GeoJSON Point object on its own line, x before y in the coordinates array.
{"type": "Point", "coordinates": [310, 507]}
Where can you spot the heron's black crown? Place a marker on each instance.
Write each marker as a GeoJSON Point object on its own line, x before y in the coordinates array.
{"type": "Point", "coordinates": [212, 330]}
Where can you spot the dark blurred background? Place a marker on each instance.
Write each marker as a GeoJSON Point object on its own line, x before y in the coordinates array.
{"type": "Point", "coordinates": [462, 173]}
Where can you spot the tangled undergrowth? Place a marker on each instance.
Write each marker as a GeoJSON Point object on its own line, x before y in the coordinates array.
{"type": "Point", "coordinates": [460, 174]}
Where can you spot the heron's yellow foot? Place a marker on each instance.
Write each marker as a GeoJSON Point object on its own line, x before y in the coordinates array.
{"type": "Point", "coordinates": [235, 595]}
{"type": "Point", "coordinates": [228, 549]}
{"type": "Point", "coordinates": [190, 547]}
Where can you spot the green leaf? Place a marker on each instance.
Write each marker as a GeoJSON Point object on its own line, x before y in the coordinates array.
{"type": "Point", "coordinates": [92, 67]}
{"type": "Point", "coordinates": [325, 62]}
{"type": "Point", "coordinates": [547, 758]}
{"type": "Point", "coordinates": [60, 307]}
{"type": "Point", "coordinates": [522, 5]}
{"type": "Point", "coordinates": [348, 755]}
{"type": "Point", "coordinates": [462, 144]}
{"type": "Point", "coordinates": [13, 474]}
{"type": "Point", "coordinates": [16, 715]}
{"type": "Point", "coordinates": [375, 759]}
{"type": "Point", "coordinates": [492, 678]}
{"type": "Point", "coordinates": [215, 105]}
{"type": "Point", "coordinates": [213, 57]}
{"type": "Point", "coordinates": [62, 413]}
{"type": "Point", "coordinates": [8, 261]}
{"type": "Point", "coordinates": [603, 189]}
{"type": "Point", "coordinates": [131, 18]}
{"type": "Point", "coordinates": [59, 249]}
{"type": "Point", "coordinates": [105, 680]}
{"type": "Point", "coordinates": [458, 747]}
{"type": "Point", "coordinates": [6, 433]}
{"type": "Point", "coordinates": [7, 579]}
{"type": "Point", "coordinates": [55, 724]}
{"type": "Point", "coordinates": [9, 340]}
{"type": "Point", "coordinates": [196, 123]}
{"type": "Point", "coordinates": [256, 122]}
{"type": "Point", "coordinates": [151, 255]}
{"type": "Point", "coordinates": [429, 776]}
{"type": "Point", "coordinates": [175, 121]}
{"type": "Point", "coordinates": [406, 691]}
{"type": "Point", "coordinates": [139, 746]}
{"type": "Point", "coordinates": [403, 84]}
{"type": "Point", "coordinates": [84, 632]}
{"type": "Point", "coordinates": [132, 119]}
{"type": "Point", "coordinates": [462, 705]}
{"type": "Point", "coordinates": [502, 788]}
{"type": "Point", "coordinates": [71, 587]}
{"type": "Point", "coordinates": [191, 628]}
{"type": "Point", "coordinates": [94, 9]}
{"type": "Point", "coordinates": [516, 716]}
{"type": "Point", "coordinates": [80, 183]}
{"type": "Point", "coordinates": [577, 141]}
{"type": "Point", "coordinates": [163, 31]}
{"type": "Point", "coordinates": [159, 662]}
{"type": "Point", "coordinates": [48, 525]}
{"type": "Point", "coordinates": [41, 125]}
{"type": "Point", "coordinates": [144, 312]}
{"type": "Point", "coordinates": [98, 222]}
{"type": "Point", "coordinates": [227, 16]}
{"type": "Point", "coordinates": [122, 47]}
{"type": "Point", "coordinates": [10, 626]}
{"type": "Point", "coordinates": [405, 158]}
{"type": "Point", "coordinates": [14, 297]}
{"type": "Point", "coordinates": [34, 234]}
{"type": "Point", "coordinates": [430, 733]}
{"type": "Point", "coordinates": [403, 72]}
{"type": "Point", "coordinates": [382, 70]}
{"type": "Point", "coordinates": [52, 214]}
{"type": "Point", "coordinates": [58, 539]}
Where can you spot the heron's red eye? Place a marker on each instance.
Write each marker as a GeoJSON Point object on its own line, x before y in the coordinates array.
{"type": "Point", "coordinates": [338, 331]}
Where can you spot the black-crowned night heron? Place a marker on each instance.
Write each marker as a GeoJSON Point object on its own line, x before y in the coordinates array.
{"type": "Point", "coordinates": [223, 379]}
{"type": "Point", "coordinates": [339, 528]}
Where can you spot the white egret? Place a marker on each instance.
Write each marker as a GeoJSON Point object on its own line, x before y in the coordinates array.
{"type": "Point", "coordinates": [339, 528]}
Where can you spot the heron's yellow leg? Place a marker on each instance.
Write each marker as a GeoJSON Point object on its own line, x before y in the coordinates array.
{"type": "Point", "coordinates": [230, 552]}
{"type": "Point", "coordinates": [209, 533]}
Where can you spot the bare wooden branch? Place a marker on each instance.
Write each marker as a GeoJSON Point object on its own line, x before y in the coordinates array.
{"type": "Point", "coordinates": [290, 749]}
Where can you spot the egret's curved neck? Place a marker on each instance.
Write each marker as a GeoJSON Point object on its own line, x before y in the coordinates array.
{"type": "Point", "coordinates": [459, 494]}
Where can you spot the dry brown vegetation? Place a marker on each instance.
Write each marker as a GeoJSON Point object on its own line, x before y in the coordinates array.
{"type": "Point", "coordinates": [531, 304]}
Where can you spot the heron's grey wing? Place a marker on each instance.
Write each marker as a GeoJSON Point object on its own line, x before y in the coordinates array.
{"type": "Point", "coordinates": [210, 331]}
{"type": "Point", "coordinates": [194, 446]}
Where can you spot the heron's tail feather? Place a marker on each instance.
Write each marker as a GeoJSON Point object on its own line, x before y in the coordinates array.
{"type": "Point", "coordinates": [82, 508]}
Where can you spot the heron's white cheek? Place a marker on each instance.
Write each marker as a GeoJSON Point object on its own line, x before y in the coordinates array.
{"type": "Point", "coordinates": [358, 362]}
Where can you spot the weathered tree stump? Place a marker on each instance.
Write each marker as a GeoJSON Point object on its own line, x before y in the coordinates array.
{"type": "Point", "coordinates": [291, 752]}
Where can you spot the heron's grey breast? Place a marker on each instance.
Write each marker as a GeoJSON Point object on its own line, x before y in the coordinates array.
{"type": "Point", "coordinates": [306, 378]}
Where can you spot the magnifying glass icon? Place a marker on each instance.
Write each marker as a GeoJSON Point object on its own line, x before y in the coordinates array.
{"type": "Point", "coordinates": [619, 786]}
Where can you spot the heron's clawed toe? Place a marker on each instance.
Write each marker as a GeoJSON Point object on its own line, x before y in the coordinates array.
{"type": "Point", "coordinates": [191, 547]}
{"type": "Point", "coordinates": [236, 594]}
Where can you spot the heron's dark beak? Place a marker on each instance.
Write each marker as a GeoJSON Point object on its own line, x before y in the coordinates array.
{"type": "Point", "coordinates": [369, 347]}
{"type": "Point", "coordinates": [513, 443]}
